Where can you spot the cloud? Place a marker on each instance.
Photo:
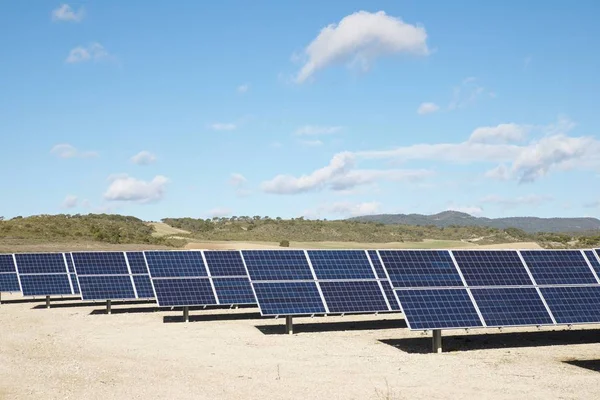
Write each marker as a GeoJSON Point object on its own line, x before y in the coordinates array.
{"type": "Point", "coordinates": [344, 209]}
{"type": "Point", "coordinates": [311, 143]}
{"type": "Point", "coordinates": [360, 38]}
{"type": "Point", "coordinates": [92, 52]}
{"type": "Point", "coordinates": [66, 150]}
{"type": "Point", "coordinates": [427, 108]}
{"type": "Point", "coordinates": [338, 175]}
{"type": "Point", "coordinates": [220, 126]}
{"type": "Point", "coordinates": [70, 202]}
{"type": "Point", "coordinates": [65, 13]}
{"type": "Point", "coordinates": [313, 130]}
{"type": "Point", "coordinates": [243, 88]}
{"type": "Point", "coordinates": [467, 93]}
{"type": "Point", "coordinates": [219, 212]}
{"type": "Point", "coordinates": [507, 203]}
{"type": "Point", "coordinates": [143, 158]}
{"type": "Point", "coordinates": [503, 133]}
{"type": "Point", "coordinates": [237, 180]}
{"type": "Point", "coordinates": [127, 188]}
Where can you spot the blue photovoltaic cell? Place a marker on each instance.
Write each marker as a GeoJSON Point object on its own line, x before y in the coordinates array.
{"type": "Point", "coordinates": [225, 263]}
{"type": "Point", "coordinates": [103, 287]}
{"type": "Point", "coordinates": [45, 285]}
{"type": "Point", "coordinates": [288, 298]}
{"type": "Point", "coordinates": [9, 282]}
{"type": "Point", "coordinates": [7, 264]}
{"type": "Point", "coordinates": [277, 265]}
{"type": "Point", "coordinates": [558, 267]}
{"type": "Point", "coordinates": [100, 263]}
{"type": "Point", "coordinates": [69, 262]}
{"type": "Point", "coordinates": [389, 293]}
{"type": "Point", "coordinates": [184, 292]}
{"type": "Point", "coordinates": [492, 268]}
{"type": "Point", "coordinates": [143, 286]}
{"type": "Point", "coordinates": [357, 296]}
{"type": "Point", "coordinates": [438, 309]}
{"type": "Point", "coordinates": [593, 261]}
{"type": "Point", "coordinates": [341, 264]}
{"type": "Point", "coordinates": [511, 306]}
{"type": "Point", "coordinates": [377, 264]}
{"type": "Point", "coordinates": [41, 263]}
{"type": "Point", "coordinates": [169, 264]}
{"type": "Point", "coordinates": [420, 268]}
{"type": "Point", "coordinates": [74, 282]}
{"type": "Point", "coordinates": [573, 305]}
{"type": "Point", "coordinates": [234, 291]}
{"type": "Point", "coordinates": [137, 264]}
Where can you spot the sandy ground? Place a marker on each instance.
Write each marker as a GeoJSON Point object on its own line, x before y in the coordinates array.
{"type": "Point", "coordinates": [75, 351]}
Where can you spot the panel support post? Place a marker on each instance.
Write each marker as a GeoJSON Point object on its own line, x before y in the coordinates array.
{"type": "Point", "coordinates": [108, 307]}
{"type": "Point", "coordinates": [186, 314]}
{"type": "Point", "coordinates": [289, 325]}
{"type": "Point", "coordinates": [437, 341]}
{"type": "Point", "coordinates": [47, 301]}
{"type": "Point", "coordinates": [0, 297]}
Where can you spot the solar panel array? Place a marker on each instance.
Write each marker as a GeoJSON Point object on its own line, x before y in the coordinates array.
{"type": "Point", "coordinates": [193, 278]}
{"type": "Point", "coordinates": [44, 274]}
{"type": "Point", "coordinates": [9, 280]}
{"type": "Point", "coordinates": [494, 288]}
{"type": "Point", "coordinates": [299, 282]}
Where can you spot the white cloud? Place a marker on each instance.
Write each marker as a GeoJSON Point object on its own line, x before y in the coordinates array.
{"type": "Point", "coordinates": [311, 143]}
{"type": "Point", "coordinates": [344, 209]}
{"type": "Point", "coordinates": [219, 212]}
{"type": "Point", "coordinates": [237, 180]}
{"type": "Point", "coordinates": [313, 130]}
{"type": "Point", "coordinates": [503, 133]}
{"type": "Point", "coordinates": [506, 203]}
{"type": "Point", "coordinates": [143, 158]}
{"type": "Point", "coordinates": [65, 13]}
{"type": "Point", "coordinates": [427, 108]}
{"type": "Point", "coordinates": [70, 202]}
{"type": "Point", "coordinates": [243, 88]}
{"type": "Point", "coordinates": [92, 52]}
{"type": "Point", "coordinates": [221, 126]}
{"type": "Point", "coordinates": [127, 188]}
{"type": "Point", "coordinates": [338, 175]}
{"type": "Point", "coordinates": [66, 150]}
{"type": "Point", "coordinates": [360, 38]}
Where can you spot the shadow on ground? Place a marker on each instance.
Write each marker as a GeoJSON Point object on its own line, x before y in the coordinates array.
{"type": "Point", "coordinates": [593, 365]}
{"type": "Point", "coordinates": [212, 317]}
{"type": "Point", "coordinates": [78, 303]}
{"type": "Point", "coordinates": [497, 340]}
{"type": "Point", "coordinates": [314, 327]}
{"type": "Point", "coordinates": [38, 300]}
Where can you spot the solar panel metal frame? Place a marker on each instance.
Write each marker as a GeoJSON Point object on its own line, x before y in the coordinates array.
{"type": "Point", "coordinates": [67, 272]}
{"type": "Point", "coordinates": [14, 272]}
{"type": "Point", "coordinates": [209, 277]}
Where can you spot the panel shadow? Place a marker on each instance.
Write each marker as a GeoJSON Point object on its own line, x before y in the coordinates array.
{"type": "Point", "coordinates": [593, 365]}
{"type": "Point", "coordinates": [80, 303]}
{"type": "Point", "coordinates": [211, 317]}
{"type": "Point", "coordinates": [422, 345]}
{"type": "Point", "coordinates": [38, 300]}
{"type": "Point", "coordinates": [315, 327]}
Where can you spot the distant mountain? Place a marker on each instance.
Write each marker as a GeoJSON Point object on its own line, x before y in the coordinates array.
{"type": "Point", "coordinates": [528, 224]}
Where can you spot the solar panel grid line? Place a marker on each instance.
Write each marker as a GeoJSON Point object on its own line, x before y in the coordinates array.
{"type": "Point", "coordinates": [590, 265]}
{"type": "Point", "coordinates": [130, 275]}
{"type": "Point", "coordinates": [76, 274]}
{"type": "Point", "coordinates": [212, 284]}
{"type": "Point", "coordinates": [150, 275]}
{"type": "Point", "coordinates": [68, 273]}
{"type": "Point", "coordinates": [251, 284]}
{"type": "Point", "coordinates": [14, 257]}
{"type": "Point", "coordinates": [468, 290]}
{"type": "Point", "coordinates": [378, 281]}
{"type": "Point", "coordinates": [385, 284]}
{"type": "Point", "coordinates": [387, 276]}
{"type": "Point", "coordinates": [595, 254]}
{"type": "Point", "coordinates": [312, 271]}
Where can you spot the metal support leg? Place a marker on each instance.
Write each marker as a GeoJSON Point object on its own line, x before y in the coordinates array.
{"type": "Point", "coordinates": [437, 341]}
{"type": "Point", "coordinates": [186, 314]}
{"type": "Point", "coordinates": [108, 307]}
{"type": "Point", "coordinates": [289, 325]}
{"type": "Point", "coordinates": [0, 297]}
{"type": "Point", "coordinates": [47, 301]}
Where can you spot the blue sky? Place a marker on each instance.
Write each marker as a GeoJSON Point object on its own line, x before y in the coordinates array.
{"type": "Point", "coordinates": [316, 109]}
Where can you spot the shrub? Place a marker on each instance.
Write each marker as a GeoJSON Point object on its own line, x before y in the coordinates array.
{"type": "Point", "coordinates": [284, 243]}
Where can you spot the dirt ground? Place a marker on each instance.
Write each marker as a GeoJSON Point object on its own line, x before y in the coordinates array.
{"type": "Point", "coordinates": [75, 351]}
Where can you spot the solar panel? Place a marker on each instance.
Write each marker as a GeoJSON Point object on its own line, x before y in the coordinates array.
{"type": "Point", "coordinates": [558, 267]}
{"type": "Point", "coordinates": [169, 264]}
{"type": "Point", "coordinates": [385, 282]}
{"type": "Point", "coordinates": [183, 291]}
{"type": "Point", "coordinates": [511, 306]}
{"type": "Point", "coordinates": [225, 263]}
{"type": "Point", "coordinates": [573, 305]}
{"type": "Point", "coordinates": [379, 271]}
{"type": "Point", "coordinates": [288, 298]}
{"type": "Point", "coordinates": [438, 309]}
{"type": "Point", "coordinates": [9, 281]}
{"type": "Point", "coordinates": [143, 286]}
{"type": "Point", "coordinates": [594, 261]}
{"type": "Point", "coordinates": [341, 264]}
{"type": "Point", "coordinates": [137, 263]}
{"type": "Point", "coordinates": [104, 276]}
{"type": "Point", "coordinates": [74, 280]}
{"type": "Point", "coordinates": [492, 268]}
{"type": "Point", "coordinates": [100, 263]}
{"type": "Point", "coordinates": [389, 293]}
{"type": "Point", "coordinates": [234, 290]}
{"type": "Point", "coordinates": [139, 272]}
{"type": "Point", "coordinates": [43, 274]}
{"type": "Point", "coordinates": [420, 268]}
{"type": "Point", "coordinates": [353, 296]}
{"type": "Point", "coordinates": [277, 265]}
